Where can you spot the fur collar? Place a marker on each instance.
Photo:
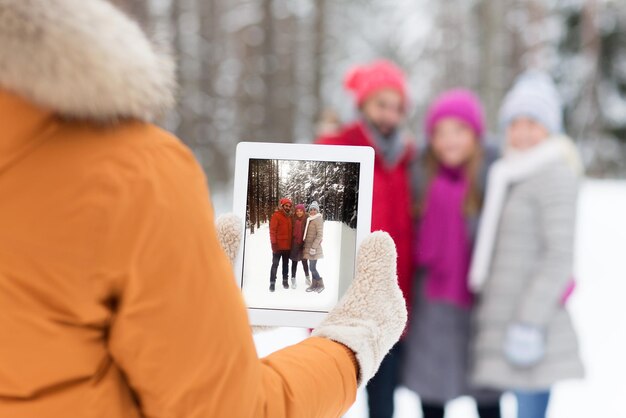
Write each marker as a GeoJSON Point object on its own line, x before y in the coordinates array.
{"type": "Point", "coordinates": [83, 59]}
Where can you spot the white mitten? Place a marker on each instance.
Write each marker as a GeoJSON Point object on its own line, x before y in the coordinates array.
{"type": "Point", "coordinates": [524, 345]}
{"type": "Point", "coordinates": [371, 316]}
{"type": "Point", "coordinates": [312, 251]}
{"type": "Point", "coordinates": [228, 229]}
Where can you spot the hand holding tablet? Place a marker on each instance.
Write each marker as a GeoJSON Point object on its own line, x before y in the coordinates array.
{"type": "Point", "coordinates": [371, 315]}
{"type": "Point", "coordinates": [305, 210]}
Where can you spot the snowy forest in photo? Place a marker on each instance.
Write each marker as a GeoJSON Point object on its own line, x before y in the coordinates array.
{"type": "Point", "coordinates": [334, 185]}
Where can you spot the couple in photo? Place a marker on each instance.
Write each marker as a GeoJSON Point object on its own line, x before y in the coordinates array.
{"type": "Point", "coordinates": [298, 237]}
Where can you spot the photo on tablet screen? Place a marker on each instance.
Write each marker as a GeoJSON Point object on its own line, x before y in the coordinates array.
{"type": "Point", "coordinates": [300, 233]}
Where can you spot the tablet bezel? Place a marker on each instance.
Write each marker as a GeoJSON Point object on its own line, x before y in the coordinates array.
{"type": "Point", "coordinates": [278, 151]}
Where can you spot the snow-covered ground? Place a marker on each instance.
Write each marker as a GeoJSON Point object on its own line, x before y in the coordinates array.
{"type": "Point", "coordinates": [338, 238]}
{"type": "Point", "coordinates": [598, 308]}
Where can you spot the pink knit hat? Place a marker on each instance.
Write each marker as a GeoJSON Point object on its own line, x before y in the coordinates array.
{"type": "Point", "coordinates": [364, 80]}
{"type": "Point", "coordinates": [301, 207]}
{"type": "Point", "coordinates": [460, 104]}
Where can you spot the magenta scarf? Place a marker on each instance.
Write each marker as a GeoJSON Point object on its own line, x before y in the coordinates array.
{"type": "Point", "coordinates": [444, 246]}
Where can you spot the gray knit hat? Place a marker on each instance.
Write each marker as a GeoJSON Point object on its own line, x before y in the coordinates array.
{"type": "Point", "coordinates": [315, 206]}
{"type": "Point", "coordinates": [534, 95]}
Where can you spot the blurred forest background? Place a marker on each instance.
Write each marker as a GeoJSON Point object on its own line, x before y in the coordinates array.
{"type": "Point", "coordinates": [268, 70]}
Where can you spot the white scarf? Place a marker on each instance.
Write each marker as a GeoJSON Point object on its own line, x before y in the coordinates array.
{"type": "Point", "coordinates": [309, 219]}
{"type": "Point", "coordinates": [513, 168]}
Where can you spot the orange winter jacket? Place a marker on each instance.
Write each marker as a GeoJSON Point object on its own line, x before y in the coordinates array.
{"type": "Point", "coordinates": [115, 298]}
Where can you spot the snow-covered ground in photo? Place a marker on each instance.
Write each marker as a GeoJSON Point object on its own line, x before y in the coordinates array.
{"type": "Point", "coordinates": [258, 261]}
{"type": "Point", "coordinates": [598, 308]}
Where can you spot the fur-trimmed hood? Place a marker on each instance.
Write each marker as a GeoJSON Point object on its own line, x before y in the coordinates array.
{"type": "Point", "coordinates": [83, 59]}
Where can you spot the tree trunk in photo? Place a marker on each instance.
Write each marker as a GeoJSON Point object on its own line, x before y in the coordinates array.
{"type": "Point", "coordinates": [269, 197]}
{"type": "Point", "coordinates": [252, 193]}
{"type": "Point", "coordinates": [257, 189]}
{"type": "Point", "coordinates": [275, 198]}
{"type": "Point", "coordinates": [325, 186]}
{"type": "Point", "coordinates": [279, 192]}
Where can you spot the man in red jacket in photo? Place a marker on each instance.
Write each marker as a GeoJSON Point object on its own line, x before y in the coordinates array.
{"type": "Point", "coordinates": [280, 236]}
{"type": "Point", "coordinates": [381, 97]}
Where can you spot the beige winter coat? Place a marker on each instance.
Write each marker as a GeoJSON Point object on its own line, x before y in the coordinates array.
{"type": "Point", "coordinates": [313, 238]}
{"type": "Point", "coordinates": [531, 268]}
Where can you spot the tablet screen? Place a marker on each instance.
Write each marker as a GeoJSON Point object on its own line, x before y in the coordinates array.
{"type": "Point", "coordinates": [300, 233]}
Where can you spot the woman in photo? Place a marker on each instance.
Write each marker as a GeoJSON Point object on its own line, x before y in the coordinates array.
{"type": "Point", "coordinates": [523, 264]}
{"type": "Point", "coordinates": [313, 234]}
{"type": "Point", "coordinates": [297, 245]}
{"type": "Point", "coordinates": [450, 177]}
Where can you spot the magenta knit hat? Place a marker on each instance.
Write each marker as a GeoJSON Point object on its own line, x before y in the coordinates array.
{"type": "Point", "coordinates": [301, 206]}
{"type": "Point", "coordinates": [460, 104]}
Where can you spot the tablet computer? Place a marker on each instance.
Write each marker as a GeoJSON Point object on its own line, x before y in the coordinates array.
{"type": "Point", "coordinates": [306, 208]}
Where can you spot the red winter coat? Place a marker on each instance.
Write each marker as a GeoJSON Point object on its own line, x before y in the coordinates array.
{"type": "Point", "coordinates": [280, 231]}
{"type": "Point", "coordinates": [391, 206]}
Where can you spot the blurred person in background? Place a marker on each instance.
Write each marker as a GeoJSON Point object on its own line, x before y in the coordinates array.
{"type": "Point", "coordinates": [523, 265]}
{"type": "Point", "coordinates": [328, 123]}
{"type": "Point", "coordinates": [380, 91]}
{"type": "Point", "coordinates": [117, 299]}
{"type": "Point", "coordinates": [450, 178]}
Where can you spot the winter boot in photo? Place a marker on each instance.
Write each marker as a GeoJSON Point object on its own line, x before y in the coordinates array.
{"type": "Point", "coordinates": [272, 286]}
{"type": "Point", "coordinates": [320, 285]}
{"type": "Point", "coordinates": [307, 279]}
{"type": "Point", "coordinates": [285, 284]}
{"type": "Point", "coordinates": [312, 287]}
{"type": "Point", "coordinates": [293, 282]}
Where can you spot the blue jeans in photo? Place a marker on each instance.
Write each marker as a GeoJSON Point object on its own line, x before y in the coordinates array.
{"type": "Point", "coordinates": [313, 268]}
